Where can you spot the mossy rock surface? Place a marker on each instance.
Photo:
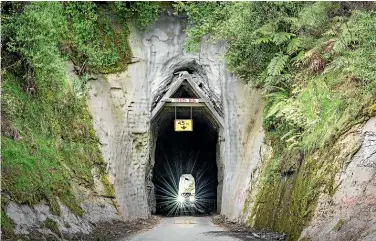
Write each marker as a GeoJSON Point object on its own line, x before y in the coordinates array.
{"type": "Point", "coordinates": [53, 226]}
{"type": "Point", "coordinates": [338, 225]}
{"type": "Point", "coordinates": [7, 227]}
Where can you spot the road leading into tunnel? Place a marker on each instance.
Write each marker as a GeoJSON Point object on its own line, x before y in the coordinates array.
{"type": "Point", "coordinates": [184, 229]}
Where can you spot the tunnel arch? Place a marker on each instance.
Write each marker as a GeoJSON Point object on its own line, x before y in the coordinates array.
{"type": "Point", "coordinates": [185, 80]}
{"type": "Point", "coordinates": [175, 153]}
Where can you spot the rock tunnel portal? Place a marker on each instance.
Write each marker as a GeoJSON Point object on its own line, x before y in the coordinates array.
{"type": "Point", "coordinates": [186, 152]}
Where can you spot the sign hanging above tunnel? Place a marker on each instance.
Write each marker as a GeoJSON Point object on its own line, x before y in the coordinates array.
{"type": "Point", "coordinates": [184, 100]}
{"type": "Point", "coordinates": [183, 125]}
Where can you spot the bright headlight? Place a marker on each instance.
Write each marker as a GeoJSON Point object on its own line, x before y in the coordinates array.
{"type": "Point", "coordinates": [181, 199]}
{"type": "Point", "coordinates": [191, 198]}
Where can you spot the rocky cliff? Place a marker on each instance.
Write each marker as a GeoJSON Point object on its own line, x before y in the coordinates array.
{"type": "Point", "coordinates": [121, 106]}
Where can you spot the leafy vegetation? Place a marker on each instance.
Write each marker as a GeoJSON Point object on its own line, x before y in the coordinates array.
{"type": "Point", "coordinates": [48, 142]}
{"type": "Point", "coordinates": [144, 13]}
{"type": "Point", "coordinates": [315, 62]}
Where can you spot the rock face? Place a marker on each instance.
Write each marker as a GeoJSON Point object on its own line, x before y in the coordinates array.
{"type": "Point", "coordinates": [121, 106]}
{"type": "Point", "coordinates": [345, 208]}
{"type": "Point", "coordinates": [242, 146]}
{"type": "Point", "coordinates": [350, 214]}
{"type": "Point", "coordinates": [32, 220]}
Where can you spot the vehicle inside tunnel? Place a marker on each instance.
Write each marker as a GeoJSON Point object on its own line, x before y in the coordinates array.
{"type": "Point", "coordinates": [179, 153]}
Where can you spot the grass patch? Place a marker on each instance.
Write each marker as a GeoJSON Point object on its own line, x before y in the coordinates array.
{"type": "Point", "coordinates": [55, 133]}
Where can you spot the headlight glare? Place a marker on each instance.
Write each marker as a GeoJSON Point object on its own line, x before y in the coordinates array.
{"type": "Point", "coordinates": [191, 198]}
{"type": "Point", "coordinates": [181, 199]}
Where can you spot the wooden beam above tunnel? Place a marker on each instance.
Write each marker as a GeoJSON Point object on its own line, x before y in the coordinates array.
{"type": "Point", "coordinates": [202, 101]}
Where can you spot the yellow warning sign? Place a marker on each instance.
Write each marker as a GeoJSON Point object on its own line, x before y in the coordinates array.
{"type": "Point", "coordinates": [184, 125]}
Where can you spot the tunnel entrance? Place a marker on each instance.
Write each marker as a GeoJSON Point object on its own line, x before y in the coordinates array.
{"type": "Point", "coordinates": [179, 153]}
{"type": "Point", "coordinates": [185, 152]}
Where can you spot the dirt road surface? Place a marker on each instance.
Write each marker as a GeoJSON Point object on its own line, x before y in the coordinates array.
{"type": "Point", "coordinates": [182, 229]}
{"type": "Point", "coordinates": [196, 228]}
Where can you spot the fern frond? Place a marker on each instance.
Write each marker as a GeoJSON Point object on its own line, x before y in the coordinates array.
{"type": "Point", "coordinates": [330, 32]}
{"type": "Point", "coordinates": [266, 29]}
{"type": "Point", "coordinates": [263, 40]}
{"type": "Point", "coordinates": [293, 46]}
{"type": "Point", "coordinates": [297, 61]}
{"type": "Point", "coordinates": [281, 37]}
{"type": "Point", "coordinates": [287, 135]}
{"type": "Point", "coordinates": [277, 64]}
{"type": "Point", "coordinates": [290, 147]}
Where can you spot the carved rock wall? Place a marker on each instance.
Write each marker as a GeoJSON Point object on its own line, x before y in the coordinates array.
{"type": "Point", "coordinates": [121, 106]}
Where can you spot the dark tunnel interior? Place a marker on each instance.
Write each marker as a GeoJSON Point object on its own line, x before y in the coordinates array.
{"type": "Point", "coordinates": [180, 153]}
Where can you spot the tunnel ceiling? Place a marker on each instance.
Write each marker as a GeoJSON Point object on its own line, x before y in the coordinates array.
{"type": "Point", "coordinates": [200, 116]}
{"type": "Point", "coordinates": [184, 91]}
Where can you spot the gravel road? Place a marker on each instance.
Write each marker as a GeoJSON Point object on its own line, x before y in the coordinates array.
{"type": "Point", "coordinates": [183, 229]}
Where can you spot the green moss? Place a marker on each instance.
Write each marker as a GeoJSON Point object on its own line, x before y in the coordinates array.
{"type": "Point", "coordinates": [55, 132]}
{"type": "Point", "coordinates": [272, 169]}
{"type": "Point", "coordinates": [109, 188]}
{"type": "Point", "coordinates": [71, 202]}
{"type": "Point", "coordinates": [286, 204]}
{"type": "Point", "coordinates": [338, 225]}
{"type": "Point", "coordinates": [372, 110]}
{"type": "Point", "coordinates": [104, 46]}
{"type": "Point", "coordinates": [291, 161]}
{"type": "Point", "coordinates": [54, 205]}
{"type": "Point", "coordinates": [53, 226]}
{"type": "Point", "coordinates": [7, 227]}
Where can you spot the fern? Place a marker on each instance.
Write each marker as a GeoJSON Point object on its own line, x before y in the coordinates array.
{"type": "Point", "coordinates": [345, 38]}
{"type": "Point", "coordinates": [314, 17]}
{"type": "Point", "coordinates": [299, 57]}
{"type": "Point", "coordinates": [281, 37]}
{"type": "Point", "coordinates": [266, 29]}
{"type": "Point", "coordinates": [277, 64]}
{"type": "Point", "coordinates": [263, 40]}
{"type": "Point", "coordinates": [293, 46]}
